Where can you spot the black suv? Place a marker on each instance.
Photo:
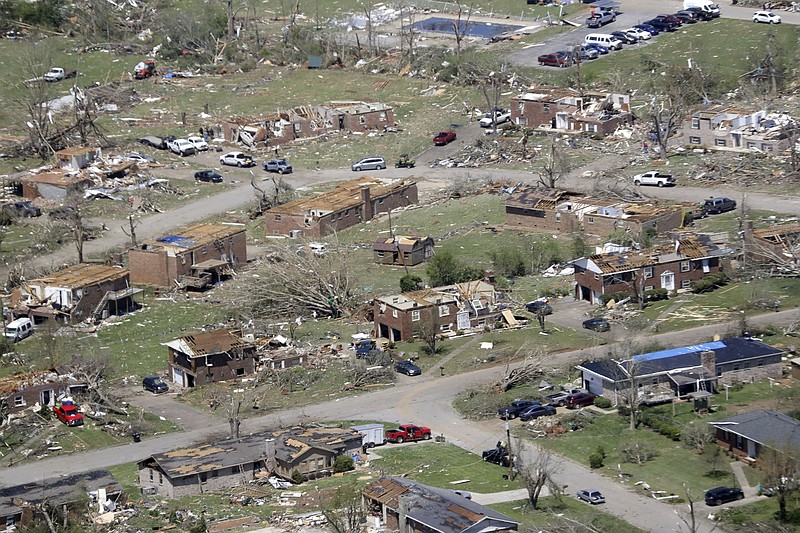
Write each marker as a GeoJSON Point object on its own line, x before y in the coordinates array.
{"type": "Point", "coordinates": [715, 206]}
{"type": "Point", "coordinates": [154, 385]}
{"type": "Point", "coordinates": [721, 495]}
{"type": "Point", "coordinates": [22, 209]}
{"type": "Point", "coordinates": [516, 408]}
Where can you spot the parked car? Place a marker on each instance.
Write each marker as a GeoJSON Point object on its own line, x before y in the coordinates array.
{"type": "Point", "coordinates": [624, 37]}
{"type": "Point", "coordinates": [638, 33]}
{"type": "Point", "coordinates": [654, 177]}
{"type": "Point", "coordinates": [701, 13]}
{"type": "Point", "coordinates": [559, 399]}
{"type": "Point", "coordinates": [68, 413]}
{"type": "Point", "coordinates": [600, 18]}
{"type": "Point", "coordinates": [237, 159]}
{"type": "Point", "coordinates": [585, 53]}
{"type": "Point", "coordinates": [721, 495]}
{"type": "Point", "coordinates": [591, 495]}
{"type": "Point", "coordinates": [281, 166]}
{"type": "Point", "coordinates": [154, 385]}
{"type": "Point", "coordinates": [181, 147]}
{"type": "Point", "coordinates": [64, 212]}
{"type": "Point", "coordinates": [408, 433]}
{"type": "Point", "coordinates": [512, 411]}
{"type": "Point", "coordinates": [596, 46]}
{"type": "Point", "coordinates": [208, 176]}
{"type": "Point", "coordinates": [715, 206]}
{"type": "Point", "coordinates": [498, 456]}
{"type": "Point", "coordinates": [369, 163]}
{"type": "Point", "coordinates": [536, 411]}
{"type": "Point", "coordinates": [652, 30]}
{"type": "Point", "coordinates": [661, 24]}
{"type": "Point", "coordinates": [561, 59]}
{"type": "Point", "coordinates": [579, 399]}
{"type": "Point", "coordinates": [500, 116]}
{"type": "Point", "coordinates": [153, 142]}
{"type": "Point", "coordinates": [672, 18]}
{"type": "Point", "coordinates": [140, 158]}
{"type": "Point", "coordinates": [538, 305]}
{"type": "Point", "coordinates": [686, 17]}
{"type": "Point", "coordinates": [444, 137]}
{"type": "Point", "coordinates": [200, 144]}
{"type": "Point", "coordinates": [766, 17]}
{"type": "Point", "coordinates": [21, 209]}
{"type": "Point", "coordinates": [408, 368]}
{"type": "Point", "coordinates": [597, 324]}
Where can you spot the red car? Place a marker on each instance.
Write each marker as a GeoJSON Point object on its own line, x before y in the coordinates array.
{"type": "Point", "coordinates": [68, 414]}
{"type": "Point", "coordinates": [408, 433]}
{"type": "Point", "coordinates": [580, 399]}
{"type": "Point", "coordinates": [444, 137]}
{"type": "Point", "coordinates": [561, 59]}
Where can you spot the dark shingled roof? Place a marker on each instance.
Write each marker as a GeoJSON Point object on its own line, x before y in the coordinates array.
{"type": "Point", "coordinates": [768, 428]}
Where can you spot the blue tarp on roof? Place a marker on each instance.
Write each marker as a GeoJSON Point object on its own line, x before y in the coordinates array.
{"type": "Point", "coordinates": [684, 350]}
{"type": "Point", "coordinates": [177, 240]}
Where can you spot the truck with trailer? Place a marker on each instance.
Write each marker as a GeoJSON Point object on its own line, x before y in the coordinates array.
{"type": "Point", "coordinates": [373, 434]}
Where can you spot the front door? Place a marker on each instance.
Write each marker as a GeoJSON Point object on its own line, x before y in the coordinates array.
{"type": "Point", "coordinates": [668, 281]}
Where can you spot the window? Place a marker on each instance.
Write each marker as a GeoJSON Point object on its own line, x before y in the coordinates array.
{"type": "Point", "coordinates": [382, 116]}
{"type": "Point", "coordinates": [649, 287]}
{"type": "Point", "coordinates": [720, 142]}
{"type": "Point", "coordinates": [648, 272]}
{"type": "Point", "coordinates": [362, 119]}
{"type": "Point", "coordinates": [751, 144]}
{"type": "Point", "coordinates": [415, 316]}
{"type": "Point", "coordinates": [590, 220]}
{"type": "Point", "coordinates": [446, 327]}
{"type": "Point", "coordinates": [558, 217]}
{"type": "Point", "coordinates": [596, 276]}
{"type": "Point", "coordinates": [686, 283]}
{"type": "Point", "coordinates": [695, 123]}
{"type": "Point", "coordinates": [160, 478]}
{"type": "Point", "coordinates": [19, 401]}
{"type": "Point", "coordinates": [240, 371]}
{"type": "Point", "coordinates": [151, 473]}
{"type": "Point", "coordinates": [694, 140]}
{"type": "Point", "coordinates": [381, 254]}
{"type": "Point", "coordinates": [394, 313]}
{"type": "Point", "coordinates": [655, 381]}
{"type": "Point", "coordinates": [203, 477]}
{"type": "Point", "coordinates": [277, 218]}
{"type": "Point", "coordinates": [444, 310]}
{"type": "Point", "coordinates": [766, 147]}
{"type": "Point", "coordinates": [685, 266]}
{"type": "Point", "coordinates": [546, 108]}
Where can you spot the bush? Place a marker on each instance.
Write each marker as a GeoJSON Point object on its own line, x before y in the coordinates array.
{"type": "Point", "coordinates": [655, 295]}
{"type": "Point", "coordinates": [616, 296]}
{"type": "Point", "coordinates": [602, 403]}
{"type": "Point", "coordinates": [410, 282]}
{"type": "Point", "coordinates": [638, 452]}
{"type": "Point", "coordinates": [595, 461]}
{"type": "Point", "coordinates": [343, 463]}
{"type": "Point", "coordinates": [297, 477]}
{"type": "Point", "coordinates": [709, 283]}
{"type": "Point", "coordinates": [661, 426]}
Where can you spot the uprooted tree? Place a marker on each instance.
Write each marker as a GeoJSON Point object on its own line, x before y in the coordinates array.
{"type": "Point", "coordinates": [530, 370]}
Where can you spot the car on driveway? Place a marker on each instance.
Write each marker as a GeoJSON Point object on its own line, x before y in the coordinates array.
{"type": "Point", "coordinates": [444, 137]}
{"type": "Point", "coordinates": [721, 495]}
{"type": "Point", "coordinates": [591, 495]}
{"type": "Point", "coordinates": [654, 177]}
{"type": "Point", "coordinates": [561, 59]}
{"type": "Point", "coordinates": [154, 385]}
{"type": "Point", "coordinates": [209, 176]}
{"type": "Point", "coordinates": [536, 411]}
{"type": "Point", "coordinates": [281, 166]}
{"type": "Point", "coordinates": [766, 17]}
{"type": "Point", "coordinates": [498, 456]}
{"type": "Point", "coordinates": [237, 159]}
{"type": "Point", "coordinates": [596, 324]}
{"type": "Point", "coordinates": [512, 411]}
{"type": "Point", "coordinates": [408, 368]}
{"type": "Point", "coordinates": [579, 399]}
{"type": "Point", "coordinates": [181, 147]}
{"type": "Point", "coordinates": [22, 209]}
{"type": "Point", "coordinates": [200, 144]}
{"type": "Point", "coordinates": [539, 306]}
{"type": "Point", "coordinates": [715, 206]}
{"type": "Point", "coordinates": [500, 117]}
{"type": "Point", "coordinates": [368, 163]}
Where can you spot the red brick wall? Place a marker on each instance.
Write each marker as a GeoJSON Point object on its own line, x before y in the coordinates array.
{"type": "Point", "coordinates": [405, 325]}
{"type": "Point", "coordinates": [372, 120]}
{"type": "Point", "coordinates": [532, 114]}
{"type": "Point", "coordinates": [148, 267]}
{"type": "Point", "coordinates": [523, 218]}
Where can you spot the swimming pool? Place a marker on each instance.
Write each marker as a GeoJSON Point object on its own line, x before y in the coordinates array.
{"type": "Point", "coordinates": [486, 30]}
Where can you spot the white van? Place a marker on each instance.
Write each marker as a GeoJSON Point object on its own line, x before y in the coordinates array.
{"type": "Point", "coordinates": [604, 39]}
{"type": "Point", "coordinates": [706, 5]}
{"type": "Point", "coordinates": [18, 329]}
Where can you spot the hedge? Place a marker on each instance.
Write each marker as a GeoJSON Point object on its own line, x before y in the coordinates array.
{"type": "Point", "coordinates": [661, 426]}
{"type": "Point", "coordinates": [709, 283]}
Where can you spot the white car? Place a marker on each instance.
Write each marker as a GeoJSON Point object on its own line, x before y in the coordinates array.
{"type": "Point", "coordinates": [638, 34]}
{"type": "Point", "coordinates": [501, 117]}
{"type": "Point", "coordinates": [199, 144]}
{"type": "Point", "coordinates": [180, 147]}
{"type": "Point", "coordinates": [767, 17]}
{"type": "Point", "coordinates": [237, 159]}
{"type": "Point", "coordinates": [139, 158]}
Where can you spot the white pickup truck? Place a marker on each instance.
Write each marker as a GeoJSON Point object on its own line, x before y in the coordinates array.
{"type": "Point", "coordinates": [58, 74]}
{"type": "Point", "coordinates": [654, 178]}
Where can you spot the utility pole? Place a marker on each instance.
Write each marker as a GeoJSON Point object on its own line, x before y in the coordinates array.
{"type": "Point", "coordinates": [510, 455]}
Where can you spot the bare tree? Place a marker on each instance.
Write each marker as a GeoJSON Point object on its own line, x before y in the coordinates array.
{"type": "Point", "coordinates": [429, 331]}
{"type": "Point", "coordinates": [536, 467]}
{"type": "Point", "coordinates": [461, 26]}
{"type": "Point", "coordinates": [408, 35]}
{"type": "Point", "coordinates": [529, 371]}
{"type": "Point", "coordinates": [555, 165]}
{"type": "Point", "coordinates": [346, 512]}
{"type": "Point", "coordinates": [690, 521]}
{"type": "Point", "coordinates": [781, 468]}
{"type": "Point", "coordinates": [280, 193]}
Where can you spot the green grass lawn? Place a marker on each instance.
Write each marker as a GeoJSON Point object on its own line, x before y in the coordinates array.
{"type": "Point", "coordinates": [551, 513]}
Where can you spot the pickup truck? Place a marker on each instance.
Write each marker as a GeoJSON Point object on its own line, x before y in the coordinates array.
{"type": "Point", "coordinates": [278, 165]}
{"type": "Point", "coordinates": [653, 178]}
{"type": "Point", "coordinates": [58, 74]}
{"type": "Point", "coordinates": [444, 137]}
{"type": "Point", "coordinates": [68, 414]}
{"type": "Point", "coordinates": [516, 408]}
{"type": "Point", "coordinates": [601, 18]}
{"type": "Point", "coordinates": [559, 399]}
{"type": "Point", "coordinates": [408, 433]}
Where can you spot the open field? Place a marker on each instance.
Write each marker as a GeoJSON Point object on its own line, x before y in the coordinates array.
{"type": "Point", "coordinates": [564, 512]}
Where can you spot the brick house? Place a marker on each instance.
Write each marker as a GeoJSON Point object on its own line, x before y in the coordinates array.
{"type": "Point", "coordinates": [402, 250]}
{"type": "Point", "coordinates": [349, 203]}
{"type": "Point", "coordinates": [749, 434]}
{"type": "Point", "coordinates": [210, 356]}
{"type": "Point", "coordinates": [191, 471]}
{"type": "Point", "coordinates": [672, 267]}
{"type": "Point", "coordinates": [77, 293]}
{"type": "Point", "coordinates": [402, 504]}
{"type": "Point", "coordinates": [722, 127]}
{"type": "Point", "coordinates": [566, 110]}
{"type": "Point", "coordinates": [679, 372]}
{"type": "Point", "coordinates": [193, 257]}
{"type": "Point", "coordinates": [559, 211]}
{"type": "Point", "coordinates": [357, 116]}
{"type": "Point", "coordinates": [22, 391]}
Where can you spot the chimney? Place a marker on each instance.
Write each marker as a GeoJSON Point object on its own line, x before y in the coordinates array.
{"type": "Point", "coordinates": [269, 454]}
{"type": "Point", "coordinates": [708, 360]}
{"type": "Point", "coordinates": [367, 201]}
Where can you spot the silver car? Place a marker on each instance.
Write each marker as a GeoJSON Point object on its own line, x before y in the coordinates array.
{"type": "Point", "coordinates": [369, 163]}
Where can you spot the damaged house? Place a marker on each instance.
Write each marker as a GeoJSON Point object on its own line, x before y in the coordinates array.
{"type": "Point", "coordinates": [210, 356]}
{"type": "Point", "coordinates": [446, 310]}
{"type": "Point", "coordinates": [559, 211]}
{"type": "Point", "coordinates": [776, 247]}
{"type": "Point", "coordinates": [195, 257]}
{"type": "Point", "coordinates": [311, 452]}
{"type": "Point", "coordinates": [722, 127]}
{"type": "Point", "coordinates": [680, 372]}
{"type": "Point", "coordinates": [349, 203]}
{"type": "Point", "coordinates": [402, 250]}
{"type": "Point", "coordinates": [567, 111]}
{"type": "Point", "coordinates": [81, 292]}
{"type": "Point", "coordinates": [671, 267]}
{"type": "Point", "coordinates": [22, 391]}
{"type": "Point", "coordinates": [401, 504]}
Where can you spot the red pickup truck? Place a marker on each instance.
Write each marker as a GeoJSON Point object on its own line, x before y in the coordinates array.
{"type": "Point", "coordinates": [68, 414]}
{"type": "Point", "coordinates": [444, 137]}
{"type": "Point", "coordinates": [407, 433]}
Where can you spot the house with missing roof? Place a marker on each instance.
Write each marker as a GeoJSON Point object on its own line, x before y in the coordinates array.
{"type": "Point", "coordinates": [85, 291]}
{"type": "Point", "coordinates": [680, 372]}
{"type": "Point", "coordinates": [349, 203]}
{"type": "Point", "coordinates": [722, 127]}
{"type": "Point", "coordinates": [196, 470]}
{"type": "Point", "coordinates": [559, 211]}
{"type": "Point", "coordinates": [17, 502]}
{"type": "Point", "coordinates": [209, 357]}
{"type": "Point", "coordinates": [28, 389]}
{"type": "Point", "coordinates": [402, 504]}
{"type": "Point", "coordinates": [566, 110]}
{"type": "Point", "coordinates": [672, 267]}
{"type": "Point", "coordinates": [402, 250]}
{"type": "Point", "coordinates": [749, 434]}
{"type": "Point", "coordinates": [195, 257]}
{"type": "Point", "coordinates": [776, 247]}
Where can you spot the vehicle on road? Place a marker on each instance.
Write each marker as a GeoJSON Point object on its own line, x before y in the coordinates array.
{"type": "Point", "coordinates": [596, 324]}
{"type": "Point", "coordinates": [281, 166]}
{"type": "Point", "coordinates": [512, 411]}
{"type": "Point", "coordinates": [766, 17]}
{"type": "Point", "coordinates": [720, 495]}
{"type": "Point", "coordinates": [200, 145]}
{"type": "Point", "coordinates": [500, 117]}
{"type": "Point", "coordinates": [654, 177]}
{"type": "Point", "coordinates": [209, 176]}
{"type": "Point", "coordinates": [579, 399]}
{"type": "Point", "coordinates": [237, 159]}
{"type": "Point", "coordinates": [600, 18]}
{"type": "Point", "coordinates": [68, 413]}
{"type": "Point", "coordinates": [153, 142]}
{"type": "Point", "coordinates": [444, 137]}
{"type": "Point", "coordinates": [408, 433]}
{"type": "Point", "coordinates": [369, 163]}
{"type": "Point", "coordinates": [21, 209]}
{"type": "Point", "coordinates": [404, 161]}
{"type": "Point", "coordinates": [155, 385]}
{"type": "Point", "coordinates": [140, 158]}
{"type": "Point", "coordinates": [536, 411]}
{"type": "Point", "coordinates": [538, 306]}
{"type": "Point", "coordinates": [559, 399]}
{"type": "Point", "coordinates": [715, 206]}
{"type": "Point", "coordinates": [407, 367]}
{"type": "Point", "coordinates": [591, 495]}
{"type": "Point", "coordinates": [561, 59]}
{"type": "Point", "coordinates": [181, 147]}
{"type": "Point", "coordinates": [498, 455]}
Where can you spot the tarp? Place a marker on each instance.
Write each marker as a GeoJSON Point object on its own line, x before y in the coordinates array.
{"type": "Point", "coordinates": [685, 350]}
